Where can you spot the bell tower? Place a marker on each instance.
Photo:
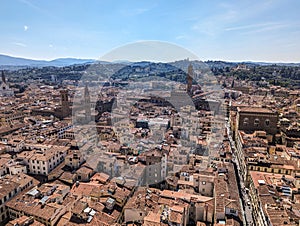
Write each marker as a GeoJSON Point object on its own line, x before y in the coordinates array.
{"type": "Point", "coordinates": [189, 79]}
{"type": "Point", "coordinates": [87, 104]}
{"type": "Point", "coordinates": [3, 77]}
{"type": "Point", "coordinates": [4, 87]}
{"type": "Point", "coordinates": [65, 107]}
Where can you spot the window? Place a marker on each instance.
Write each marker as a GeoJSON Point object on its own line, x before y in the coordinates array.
{"type": "Point", "coordinates": [203, 182]}
{"type": "Point", "coordinates": [246, 120]}
{"type": "Point", "coordinates": [267, 122]}
{"type": "Point", "coordinates": [232, 211]}
{"type": "Point", "coordinates": [256, 122]}
{"type": "Point", "coordinates": [141, 214]}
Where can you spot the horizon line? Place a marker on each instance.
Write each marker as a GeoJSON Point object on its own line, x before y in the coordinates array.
{"type": "Point", "coordinates": [92, 58]}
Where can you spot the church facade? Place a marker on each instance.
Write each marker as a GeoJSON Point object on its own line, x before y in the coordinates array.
{"type": "Point", "coordinates": [5, 90]}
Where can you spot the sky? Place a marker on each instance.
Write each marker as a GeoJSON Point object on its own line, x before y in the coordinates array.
{"type": "Point", "coordinates": [231, 30]}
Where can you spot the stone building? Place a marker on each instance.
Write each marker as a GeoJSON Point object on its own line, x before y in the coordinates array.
{"type": "Point", "coordinates": [5, 90]}
{"type": "Point", "coordinates": [250, 119]}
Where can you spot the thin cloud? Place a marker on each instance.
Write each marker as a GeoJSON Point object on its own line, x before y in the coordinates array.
{"type": "Point", "coordinates": [251, 26]}
{"type": "Point", "coordinates": [180, 37]}
{"type": "Point", "coordinates": [140, 11]}
{"type": "Point", "coordinates": [36, 8]}
{"type": "Point", "coordinates": [211, 26]}
{"type": "Point", "coordinates": [19, 44]}
{"type": "Point", "coordinates": [137, 11]}
{"type": "Point", "coordinates": [30, 4]}
{"type": "Point", "coordinates": [267, 28]}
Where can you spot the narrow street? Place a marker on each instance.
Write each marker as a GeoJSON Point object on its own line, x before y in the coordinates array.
{"type": "Point", "coordinates": [245, 203]}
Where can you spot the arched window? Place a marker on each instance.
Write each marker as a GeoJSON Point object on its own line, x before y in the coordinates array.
{"type": "Point", "coordinates": [267, 122]}
{"type": "Point", "coordinates": [256, 122]}
{"type": "Point", "coordinates": [246, 121]}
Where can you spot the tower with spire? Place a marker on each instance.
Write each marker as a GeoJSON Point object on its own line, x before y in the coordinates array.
{"type": "Point", "coordinates": [4, 87]}
{"type": "Point", "coordinates": [189, 79]}
{"type": "Point", "coordinates": [87, 104]}
{"type": "Point", "coordinates": [3, 77]}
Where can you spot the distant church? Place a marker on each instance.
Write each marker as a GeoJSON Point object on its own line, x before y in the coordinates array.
{"type": "Point", "coordinates": [61, 111]}
{"type": "Point", "coordinates": [4, 88]}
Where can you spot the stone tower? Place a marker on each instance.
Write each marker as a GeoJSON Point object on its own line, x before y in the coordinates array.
{"type": "Point", "coordinates": [4, 87]}
{"type": "Point", "coordinates": [65, 107]}
{"type": "Point", "coordinates": [3, 77]}
{"type": "Point", "coordinates": [189, 79]}
{"type": "Point", "coordinates": [87, 104]}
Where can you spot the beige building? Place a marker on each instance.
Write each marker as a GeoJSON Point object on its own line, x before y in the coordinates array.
{"type": "Point", "coordinates": [74, 160]}
{"type": "Point", "coordinates": [43, 161]}
{"type": "Point", "coordinates": [154, 207]}
{"type": "Point", "coordinates": [10, 186]}
{"type": "Point", "coordinates": [45, 204]}
{"type": "Point", "coordinates": [204, 183]}
{"type": "Point", "coordinates": [251, 119]}
{"type": "Point", "coordinates": [271, 199]}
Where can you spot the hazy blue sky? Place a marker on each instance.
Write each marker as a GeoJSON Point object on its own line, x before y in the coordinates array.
{"type": "Point", "coordinates": [257, 30]}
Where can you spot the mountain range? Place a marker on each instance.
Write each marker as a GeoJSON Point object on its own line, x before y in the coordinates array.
{"type": "Point", "coordinates": [9, 62]}
{"type": "Point", "coordinates": [23, 62]}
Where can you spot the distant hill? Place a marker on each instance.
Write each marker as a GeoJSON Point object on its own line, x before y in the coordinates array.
{"type": "Point", "coordinates": [148, 69]}
{"type": "Point", "coordinates": [9, 61]}
{"type": "Point", "coordinates": [69, 61]}
{"type": "Point", "coordinates": [17, 61]}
